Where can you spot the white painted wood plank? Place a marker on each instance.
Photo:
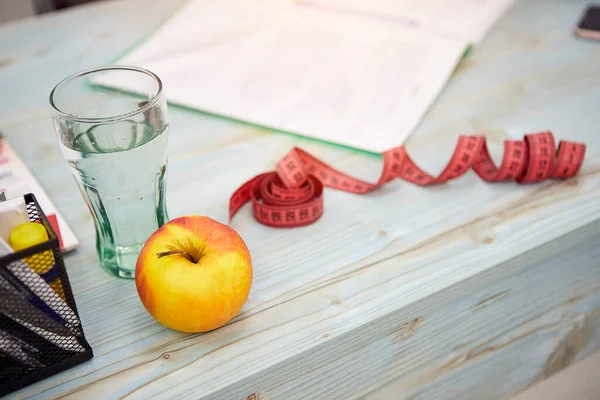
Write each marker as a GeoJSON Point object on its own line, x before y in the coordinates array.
{"type": "Point", "coordinates": [459, 343]}
{"type": "Point", "coordinates": [553, 322]}
{"type": "Point", "coordinates": [373, 263]}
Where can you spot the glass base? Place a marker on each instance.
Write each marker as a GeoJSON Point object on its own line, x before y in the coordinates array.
{"type": "Point", "coordinates": [118, 272]}
{"type": "Point", "coordinates": [121, 261]}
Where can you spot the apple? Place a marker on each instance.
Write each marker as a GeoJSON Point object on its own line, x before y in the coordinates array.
{"type": "Point", "coordinates": [194, 274]}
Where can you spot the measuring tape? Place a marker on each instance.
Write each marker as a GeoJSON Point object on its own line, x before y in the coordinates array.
{"type": "Point", "coordinates": [293, 194]}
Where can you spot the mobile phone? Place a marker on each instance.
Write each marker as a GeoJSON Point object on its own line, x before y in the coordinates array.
{"type": "Point", "coordinates": [589, 24]}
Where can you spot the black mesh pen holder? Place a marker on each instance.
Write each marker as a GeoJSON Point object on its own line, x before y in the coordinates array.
{"type": "Point", "coordinates": [40, 329]}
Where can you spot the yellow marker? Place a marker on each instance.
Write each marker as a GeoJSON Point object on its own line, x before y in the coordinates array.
{"type": "Point", "coordinates": [29, 234]}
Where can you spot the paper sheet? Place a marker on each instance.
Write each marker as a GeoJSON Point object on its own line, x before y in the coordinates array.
{"type": "Point", "coordinates": [340, 78]}
{"type": "Point", "coordinates": [466, 19]}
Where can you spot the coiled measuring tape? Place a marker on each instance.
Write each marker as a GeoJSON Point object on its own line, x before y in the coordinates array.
{"type": "Point", "coordinates": [292, 195]}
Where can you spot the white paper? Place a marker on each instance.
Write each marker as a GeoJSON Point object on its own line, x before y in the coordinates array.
{"type": "Point", "coordinates": [466, 19]}
{"type": "Point", "coordinates": [13, 212]}
{"type": "Point", "coordinates": [341, 78]}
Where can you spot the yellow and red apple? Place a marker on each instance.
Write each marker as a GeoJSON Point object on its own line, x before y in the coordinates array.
{"type": "Point", "coordinates": [194, 274]}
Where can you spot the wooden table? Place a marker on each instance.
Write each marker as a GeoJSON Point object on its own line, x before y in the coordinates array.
{"type": "Point", "coordinates": [465, 290]}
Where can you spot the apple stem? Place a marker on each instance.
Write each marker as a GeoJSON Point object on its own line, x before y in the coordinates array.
{"type": "Point", "coordinates": [171, 252]}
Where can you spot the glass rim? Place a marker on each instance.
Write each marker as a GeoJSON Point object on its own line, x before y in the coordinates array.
{"type": "Point", "coordinates": [149, 103]}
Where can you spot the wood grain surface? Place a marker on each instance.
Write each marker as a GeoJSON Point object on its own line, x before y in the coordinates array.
{"type": "Point", "coordinates": [464, 290]}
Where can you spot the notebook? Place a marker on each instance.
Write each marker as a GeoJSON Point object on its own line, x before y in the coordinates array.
{"type": "Point", "coordinates": [468, 19]}
{"type": "Point", "coordinates": [340, 77]}
{"type": "Point", "coordinates": [16, 180]}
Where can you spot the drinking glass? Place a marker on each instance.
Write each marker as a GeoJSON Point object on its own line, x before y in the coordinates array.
{"type": "Point", "coordinates": [116, 145]}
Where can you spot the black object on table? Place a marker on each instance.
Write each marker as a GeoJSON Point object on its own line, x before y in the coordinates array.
{"type": "Point", "coordinates": [40, 330]}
